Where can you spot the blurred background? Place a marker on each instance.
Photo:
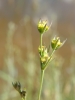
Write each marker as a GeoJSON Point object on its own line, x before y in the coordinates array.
{"type": "Point", "coordinates": [19, 41]}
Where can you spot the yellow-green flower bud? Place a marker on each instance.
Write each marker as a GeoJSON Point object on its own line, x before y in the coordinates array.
{"type": "Point", "coordinates": [55, 43]}
{"type": "Point", "coordinates": [44, 56]}
{"type": "Point", "coordinates": [43, 26]}
{"type": "Point", "coordinates": [41, 49]}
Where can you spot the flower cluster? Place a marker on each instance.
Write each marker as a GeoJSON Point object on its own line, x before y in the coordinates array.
{"type": "Point", "coordinates": [43, 26]}
{"type": "Point", "coordinates": [56, 43]}
{"type": "Point", "coordinates": [45, 58]}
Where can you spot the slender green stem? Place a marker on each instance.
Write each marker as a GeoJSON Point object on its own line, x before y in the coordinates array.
{"type": "Point", "coordinates": [23, 98]}
{"type": "Point", "coordinates": [52, 53]}
{"type": "Point", "coordinates": [41, 82]}
{"type": "Point", "coordinates": [42, 71]}
{"type": "Point", "coordinates": [41, 41]}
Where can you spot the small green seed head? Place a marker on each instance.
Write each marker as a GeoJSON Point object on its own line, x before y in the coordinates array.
{"type": "Point", "coordinates": [17, 86]}
{"type": "Point", "coordinates": [55, 43]}
{"type": "Point", "coordinates": [44, 56]}
{"type": "Point", "coordinates": [43, 26]}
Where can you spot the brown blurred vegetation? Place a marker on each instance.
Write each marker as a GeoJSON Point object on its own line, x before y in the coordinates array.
{"type": "Point", "coordinates": [18, 46]}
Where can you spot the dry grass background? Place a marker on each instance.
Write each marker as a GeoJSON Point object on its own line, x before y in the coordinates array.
{"type": "Point", "coordinates": [19, 59]}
